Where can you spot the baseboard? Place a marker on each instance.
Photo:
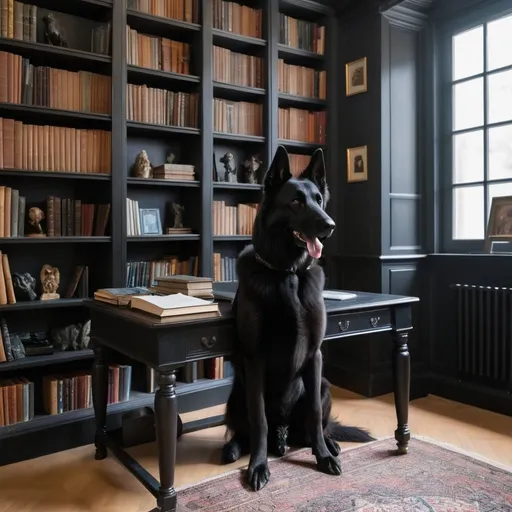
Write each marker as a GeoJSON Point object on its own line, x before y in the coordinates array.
{"type": "Point", "coordinates": [471, 394]}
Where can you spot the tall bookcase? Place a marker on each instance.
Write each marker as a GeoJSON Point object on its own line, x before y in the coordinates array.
{"type": "Point", "coordinates": [197, 134]}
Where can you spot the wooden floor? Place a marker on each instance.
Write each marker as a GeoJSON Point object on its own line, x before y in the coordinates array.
{"type": "Point", "coordinates": [73, 481]}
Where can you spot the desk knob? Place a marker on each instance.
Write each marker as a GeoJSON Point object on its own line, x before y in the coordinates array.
{"type": "Point", "coordinates": [344, 325]}
{"type": "Point", "coordinates": [208, 343]}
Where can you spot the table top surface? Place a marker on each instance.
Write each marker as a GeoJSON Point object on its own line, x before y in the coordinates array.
{"type": "Point", "coordinates": [362, 301]}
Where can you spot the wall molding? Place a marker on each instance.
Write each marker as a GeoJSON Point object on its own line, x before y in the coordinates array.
{"type": "Point", "coordinates": [407, 14]}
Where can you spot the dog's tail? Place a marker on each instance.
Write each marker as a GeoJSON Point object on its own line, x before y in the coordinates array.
{"type": "Point", "coordinates": [342, 433]}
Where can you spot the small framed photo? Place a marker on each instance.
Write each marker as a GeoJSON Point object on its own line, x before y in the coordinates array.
{"type": "Point", "coordinates": [355, 77]}
{"type": "Point", "coordinates": [357, 164]}
{"type": "Point", "coordinates": [499, 225]}
{"type": "Point", "coordinates": [150, 222]}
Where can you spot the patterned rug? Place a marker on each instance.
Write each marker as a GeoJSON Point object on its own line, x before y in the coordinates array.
{"type": "Point", "coordinates": [430, 478]}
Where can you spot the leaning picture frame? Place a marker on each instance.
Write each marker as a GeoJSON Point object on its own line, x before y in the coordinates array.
{"type": "Point", "coordinates": [499, 224]}
{"type": "Point", "coordinates": [356, 80]}
{"type": "Point", "coordinates": [150, 222]}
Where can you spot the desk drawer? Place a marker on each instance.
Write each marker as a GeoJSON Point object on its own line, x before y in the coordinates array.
{"type": "Point", "coordinates": [209, 342]}
{"type": "Point", "coordinates": [351, 323]}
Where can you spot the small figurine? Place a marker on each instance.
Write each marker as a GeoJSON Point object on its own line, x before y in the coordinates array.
{"type": "Point", "coordinates": [142, 167]}
{"type": "Point", "coordinates": [50, 280]}
{"type": "Point", "coordinates": [53, 34]}
{"type": "Point", "coordinates": [177, 210]}
{"type": "Point", "coordinates": [35, 216]}
{"type": "Point", "coordinates": [170, 158]}
{"type": "Point", "coordinates": [229, 168]}
{"type": "Point", "coordinates": [251, 166]}
{"type": "Point", "coordinates": [24, 286]}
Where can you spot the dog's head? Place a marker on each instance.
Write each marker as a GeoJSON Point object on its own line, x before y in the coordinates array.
{"type": "Point", "coordinates": [297, 205]}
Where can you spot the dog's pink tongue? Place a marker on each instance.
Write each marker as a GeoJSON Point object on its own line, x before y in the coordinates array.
{"type": "Point", "coordinates": [314, 247]}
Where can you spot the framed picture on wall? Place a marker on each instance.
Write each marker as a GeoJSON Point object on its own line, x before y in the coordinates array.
{"type": "Point", "coordinates": [355, 77]}
{"type": "Point", "coordinates": [150, 222]}
{"type": "Point", "coordinates": [499, 225]}
{"type": "Point", "coordinates": [357, 164]}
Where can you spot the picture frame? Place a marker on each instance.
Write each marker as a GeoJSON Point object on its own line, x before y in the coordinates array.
{"type": "Point", "coordinates": [356, 80]}
{"type": "Point", "coordinates": [357, 164]}
{"type": "Point", "coordinates": [150, 222]}
{"type": "Point", "coordinates": [499, 225]}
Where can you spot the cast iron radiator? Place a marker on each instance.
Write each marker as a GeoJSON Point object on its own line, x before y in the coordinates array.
{"type": "Point", "coordinates": [484, 334]}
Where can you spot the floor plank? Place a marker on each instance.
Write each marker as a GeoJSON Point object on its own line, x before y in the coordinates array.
{"type": "Point", "coordinates": [73, 481]}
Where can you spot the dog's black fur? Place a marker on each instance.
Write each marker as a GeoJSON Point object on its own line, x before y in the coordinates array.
{"type": "Point", "coordinates": [279, 396]}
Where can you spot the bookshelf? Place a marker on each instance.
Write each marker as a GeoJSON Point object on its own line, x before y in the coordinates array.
{"type": "Point", "coordinates": [231, 79]}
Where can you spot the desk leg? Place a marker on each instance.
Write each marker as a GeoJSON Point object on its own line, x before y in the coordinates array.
{"type": "Point", "coordinates": [401, 383]}
{"type": "Point", "coordinates": [100, 398]}
{"type": "Point", "coordinates": [166, 419]}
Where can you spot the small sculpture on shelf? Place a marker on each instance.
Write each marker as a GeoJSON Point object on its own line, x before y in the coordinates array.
{"type": "Point", "coordinates": [35, 217]}
{"type": "Point", "coordinates": [229, 168]}
{"type": "Point", "coordinates": [170, 158]}
{"type": "Point", "coordinates": [50, 280]}
{"type": "Point", "coordinates": [24, 286]}
{"type": "Point", "coordinates": [53, 33]}
{"type": "Point", "coordinates": [251, 166]}
{"type": "Point", "coordinates": [177, 211]}
{"type": "Point", "coordinates": [142, 167]}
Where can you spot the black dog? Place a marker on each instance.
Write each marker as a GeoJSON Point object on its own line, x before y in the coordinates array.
{"type": "Point", "coordinates": [279, 396]}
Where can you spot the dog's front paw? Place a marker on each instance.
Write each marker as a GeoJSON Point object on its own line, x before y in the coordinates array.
{"type": "Point", "coordinates": [330, 465]}
{"type": "Point", "coordinates": [258, 475]}
{"type": "Point", "coordinates": [231, 452]}
{"type": "Point", "coordinates": [332, 446]}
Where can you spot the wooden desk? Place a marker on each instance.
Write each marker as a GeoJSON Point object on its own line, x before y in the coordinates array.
{"type": "Point", "coordinates": [165, 347]}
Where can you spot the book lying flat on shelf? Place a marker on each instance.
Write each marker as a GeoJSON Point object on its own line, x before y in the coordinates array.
{"type": "Point", "coordinates": [175, 305]}
{"type": "Point", "coordinates": [119, 296]}
{"type": "Point", "coordinates": [187, 285]}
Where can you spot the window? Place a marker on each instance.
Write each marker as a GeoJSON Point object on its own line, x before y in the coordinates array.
{"type": "Point", "coordinates": [478, 153]}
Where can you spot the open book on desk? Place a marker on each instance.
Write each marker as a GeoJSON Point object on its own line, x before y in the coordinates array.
{"type": "Point", "coordinates": [174, 305]}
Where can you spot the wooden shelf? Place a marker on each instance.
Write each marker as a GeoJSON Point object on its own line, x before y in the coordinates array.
{"type": "Point", "coordinates": [235, 137]}
{"type": "Point", "coordinates": [149, 23]}
{"type": "Point", "coordinates": [161, 128]}
{"type": "Point", "coordinates": [237, 92]}
{"type": "Point", "coordinates": [294, 53]}
{"type": "Point", "coordinates": [30, 305]}
{"type": "Point", "coordinates": [89, 9]}
{"type": "Point", "coordinates": [297, 144]}
{"type": "Point", "coordinates": [47, 360]}
{"type": "Point", "coordinates": [163, 238]}
{"type": "Point", "coordinates": [290, 100]}
{"type": "Point", "coordinates": [21, 173]}
{"type": "Point", "coordinates": [137, 400]}
{"type": "Point", "coordinates": [232, 238]}
{"type": "Point", "coordinates": [145, 182]}
{"type": "Point", "coordinates": [139, 74]}
{"type": "Point", "coordinates": [234, 41]}
{"type": "Point", "coordinates": [55, 240]}
{"type": "Point", "coordinates": [237, 186]}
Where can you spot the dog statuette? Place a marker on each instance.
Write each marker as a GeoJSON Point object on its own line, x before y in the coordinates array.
{"type": "Point", "coordinates": [229, 168]}
{"type": "Point", "coordinates": [35, 217]}
{"type": "Point", "coordinates": [177, 210]}
{"type": "Point", "coordinates": [53, 34]}
{"type": "Point", "coordinates": [50, 280]}
{"type": "Point", "coordinates": [251, 166]}
{"type": "Point", "coordinates": [142, 167]}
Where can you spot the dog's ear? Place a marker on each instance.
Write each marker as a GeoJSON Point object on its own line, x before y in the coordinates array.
{"type": "Point", "coordinates": [316, 173]}
{"type": "Point", "coordinates": [279, 170]}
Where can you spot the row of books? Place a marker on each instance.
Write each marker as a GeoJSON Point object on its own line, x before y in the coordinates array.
{"type": "Point", "coordinates": [183, 10]}
{"type": "Point", "coordinates": [53, 148]}
{"type": "Point", "coordinates": [157, 52]}
{"type": "Point", "coordinates": [72, 217]}
{"type": "Point", "coordinates": [22, 82]}
{"type": "Point", "coordinates": [298, 163]}
{"type": "Point", "coordinates": [145, 273]}
{"type": "Point", "coordinates": [18, 21]}
{"type": "Point", "coordinates": [238, 117]}
{"type": "Point", "coordinates": [233, 220]}
{"type": "Point", "coordinates": [158, 106]}
{"type": "Point", "coordinates": [73, 391]}
{"type": "Point", "coordinates": [237, 68]}
{"type": "Point", "coordinates": [12, 212]}
{"type": "Point", "coordinates": [301, 34]}
{"type": "Point", "coordinates": [224, 268]}
{"type": "Point", "coordinates": [236, 18]}
{"type": "Point", "coordinates": [302, 125]}
{"type": "Point", "coordinates": [301, 80]}
{"type": "Point", "coordinates": [16, 401]}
